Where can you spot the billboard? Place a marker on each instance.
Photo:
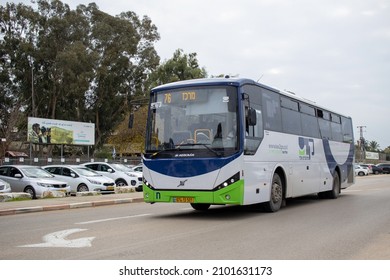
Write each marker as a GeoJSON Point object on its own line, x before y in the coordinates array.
{"type": "Point", "coordinates": [49, 131]}
{"type": "Point", "coordinates": [371, 155]}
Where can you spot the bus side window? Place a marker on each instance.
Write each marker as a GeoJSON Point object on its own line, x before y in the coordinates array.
{"type": "Point", "coordinates": [254, 134]}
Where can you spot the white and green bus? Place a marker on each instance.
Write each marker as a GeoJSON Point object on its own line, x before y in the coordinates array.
{"type": "Point", "coordinates": [235, 141]}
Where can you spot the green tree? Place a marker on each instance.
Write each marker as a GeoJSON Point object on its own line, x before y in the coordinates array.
{"type": "Point", "coordinates": [373, 146]}
{"type": "Point", "coordinates": [78, 65]}
{"type": "Point", "coordinates": [180, 67]}
{"type": "Point", "coordinates": [16, 45]}
{"type": "Point", "coordinates": [125, 56]}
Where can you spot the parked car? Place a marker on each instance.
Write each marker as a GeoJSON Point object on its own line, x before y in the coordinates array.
{"type": "Point", "coordinates": [4, 187]}
{"type": "Point", "coordinates": [360, 171]}
{"type": "Point", "coordinates": [32, 180]}
{"type": "Point", "coordinates": [121, 174]}
{"type": "Point", "coordinates": [385, 167]}
{"type": "Point", "coordinates": [376, 170]}
{"type": "Point", "coordinates": [137, 168]}
{"type": "Point", "coordinates": [81, 178]}
{"type": "Point", "coordinates": [368, 166]}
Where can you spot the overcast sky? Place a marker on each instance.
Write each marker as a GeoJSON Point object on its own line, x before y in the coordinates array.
{"type": "Point", "coordinates": [333, 52]}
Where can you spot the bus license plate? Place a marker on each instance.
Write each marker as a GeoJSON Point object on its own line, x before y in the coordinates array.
{"type": "Point", "coordinates": [183, 199]}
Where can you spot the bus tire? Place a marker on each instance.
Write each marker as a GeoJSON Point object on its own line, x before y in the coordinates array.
{"type": "Point", "coordinates": [335, 192]}
{"type": "Point", "coordinates": [200, 206]}
{"type": "Point", "coordinates": [276, 198]}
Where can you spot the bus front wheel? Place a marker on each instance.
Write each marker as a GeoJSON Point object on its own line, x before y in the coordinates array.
{"type": "Point", "coordinates": [200, 206]}
{"type": "Point", "coordinates": [276, 198]}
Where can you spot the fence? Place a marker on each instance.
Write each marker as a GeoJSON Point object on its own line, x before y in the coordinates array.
{"type": "Point", "coordinates": [71, 161]}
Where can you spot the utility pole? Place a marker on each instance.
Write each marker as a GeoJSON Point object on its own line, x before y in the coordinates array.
{"type": "Point", "coordinates": [31, 62]}
{"type": "Point", "coordinates": [362, 142]}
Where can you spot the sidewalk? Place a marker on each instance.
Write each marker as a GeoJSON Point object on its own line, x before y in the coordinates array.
{"type": "Point", "coordinates": [71, 202]}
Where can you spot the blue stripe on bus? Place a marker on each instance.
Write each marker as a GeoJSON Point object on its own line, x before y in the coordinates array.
{"type": "Point", "coordinates": [331, 161]}
{"type": "Point", "coordinates": [187, 167]}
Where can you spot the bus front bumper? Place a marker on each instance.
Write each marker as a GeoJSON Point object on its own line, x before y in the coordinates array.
{"type": "Point", "coordinates": [232, 194]}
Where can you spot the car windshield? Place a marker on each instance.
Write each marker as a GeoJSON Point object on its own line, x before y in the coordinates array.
{"type": "Point", "coordinates": [36, 172]}
{"type": "Point", "coordinates": [200, 119]}
{"type": "Point", "coordinates": [120, 167]}
{"type": "Point", "coordinates": [86, 172]}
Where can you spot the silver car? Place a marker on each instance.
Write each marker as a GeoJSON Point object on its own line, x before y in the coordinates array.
{"type": "Point", "coordinates": [81, 178]}
{"type": "Point", "coordinates": [122, 175]}
{"type": "Point", "coordinates": [4, 187]}
{"type": "Point", "coordinates": [32, 180]}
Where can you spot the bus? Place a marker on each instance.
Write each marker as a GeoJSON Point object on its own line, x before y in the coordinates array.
{"type": "Point", "coordinates": [233, 141]}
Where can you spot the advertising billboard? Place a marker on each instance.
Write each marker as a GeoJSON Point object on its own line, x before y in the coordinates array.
{"type": "Point", "coordinates": [371, 155]}
{"type": "Point", "coordinates": [49, 131]}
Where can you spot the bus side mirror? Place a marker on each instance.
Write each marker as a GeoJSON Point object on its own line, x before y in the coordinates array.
{"type": "Point", "coordinates": [251, 117]}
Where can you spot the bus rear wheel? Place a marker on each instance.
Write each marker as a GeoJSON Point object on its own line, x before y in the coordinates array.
{"type": "Point", "coordinates": [200, 206]}
{"type": "Point", "coordinates": [335, 191]}
{"type": "Point", "coordinates": [276, 198]}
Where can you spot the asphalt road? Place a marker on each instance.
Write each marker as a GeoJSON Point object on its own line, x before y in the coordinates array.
{"type": "Point", "coordinates": [354, 226]}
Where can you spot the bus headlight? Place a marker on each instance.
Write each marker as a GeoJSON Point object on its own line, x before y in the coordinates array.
{"type": "Point", "coordinates": [231, 180]}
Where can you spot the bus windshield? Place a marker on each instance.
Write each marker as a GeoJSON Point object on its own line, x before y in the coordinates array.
{"type": "Point", "coordinates": [201, 119]}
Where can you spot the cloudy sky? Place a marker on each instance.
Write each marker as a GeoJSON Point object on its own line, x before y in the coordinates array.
{"type": "Point", "coordinates": [333, 52]}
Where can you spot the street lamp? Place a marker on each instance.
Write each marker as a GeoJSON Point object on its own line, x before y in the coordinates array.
{"type": "Point", "coordinates": [31, 62]}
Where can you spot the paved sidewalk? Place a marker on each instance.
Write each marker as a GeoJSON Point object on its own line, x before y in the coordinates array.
{"type": "Point", "coordinates": [71, 202]}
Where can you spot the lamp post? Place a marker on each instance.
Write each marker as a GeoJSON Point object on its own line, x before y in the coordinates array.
{"type": "Point", "coordinates": [31, 62]}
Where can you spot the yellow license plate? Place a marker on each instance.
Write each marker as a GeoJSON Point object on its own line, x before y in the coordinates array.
{"type": "Point", "coordinates": [183, 199]}
{"type": "Point", "coordinates": [110, 188]}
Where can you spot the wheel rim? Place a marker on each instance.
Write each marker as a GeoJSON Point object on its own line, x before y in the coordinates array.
{"type": "Point", "coordinates": [30, 191]}
{"type": "Point", "coordinates": [83, 188]}
{"type": "Point", "coordinates": [277, 192]}
{"type": "Point", "coordinates": [121, 184]}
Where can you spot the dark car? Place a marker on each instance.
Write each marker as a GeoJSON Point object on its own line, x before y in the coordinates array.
{"type": "Point", "coordinates": [376, 170]}
{"type": "Point", "coordinates": [372, 168]}
{"type": "Point", "coordinates": [385, 167]}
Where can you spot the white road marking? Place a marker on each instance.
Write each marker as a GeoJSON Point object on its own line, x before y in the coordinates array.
{"type": "Point", "coordinates": [367, 190]}
{"type": "Point", "coordinates": [57, 239]}
{"type": "Point", "coordinates": [111, 219]}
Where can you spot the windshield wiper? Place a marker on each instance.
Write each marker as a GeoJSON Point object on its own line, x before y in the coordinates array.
{"type": "Point", "coordinates": [164, 150]}
{"type": "Point", "coordinates": [204, 145]}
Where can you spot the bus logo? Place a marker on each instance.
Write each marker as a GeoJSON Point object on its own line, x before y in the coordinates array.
{"type": "Point", "coordinates": [306, 148]}
{"type": "Point", "coordinates": [182, 183]}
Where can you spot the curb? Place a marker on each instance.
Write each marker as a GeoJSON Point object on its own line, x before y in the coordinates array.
{"type": "Point", "coordinates": [69, 206]}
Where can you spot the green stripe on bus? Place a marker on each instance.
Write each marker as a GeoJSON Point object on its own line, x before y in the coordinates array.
{"type": "Point", "coordinates": [232, 194]}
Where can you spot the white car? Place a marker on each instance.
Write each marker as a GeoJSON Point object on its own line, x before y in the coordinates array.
{"type": "Point", "coordinates": [361, 171]}
{"type": "Point", "coordinates": [121, 174]}
{"type": "Point", "coordinates": [31, 179]}
{"type": "Point", "coordinates": [81, 178]}
{"type": "Point", "coordinates": [4, 187]}
{"type": "Point", "coordinates": [137, 167]}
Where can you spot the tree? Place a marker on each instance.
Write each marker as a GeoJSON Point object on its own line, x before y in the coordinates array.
{"type": "Point", "coordinates": [180, 67]}
{"type": "Point", "coordinates": [373, 146]}
{"type": "Point", "coordinates": [125, 57]}
{"type": "Point", "coordinates": [130, 141]}
{"type": "Point", "coordinates": [78, 65]}
{"type": "Point", "coordinates": [16, 74]}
